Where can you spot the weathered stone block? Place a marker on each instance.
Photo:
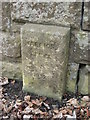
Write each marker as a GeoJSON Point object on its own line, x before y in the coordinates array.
{"type": "Point", "coordinates": [0, 15]}
{"type": "Point", "coordinates": [52, 12]}
{"type": "Point", "coordinates": [12, 70]}
{"type": "Point", "coordinates": [6, 16]}
{"type": "Point", "coordinates": [81, 49]}
{"type": "Point", "coordinates": [11, 45]}
{"type": "Point", "coordinates": [44, 59]}
{"type": "Point", "coordinates": [10, 55]}
{"type": "Point", "coordinates": [84, 82]}
{"type": "Point", "coordinates": [72, 76]}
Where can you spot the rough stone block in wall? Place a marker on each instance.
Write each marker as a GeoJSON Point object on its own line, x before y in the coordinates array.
{"type": "Point", "coordinates": [54, 12]}
{"type": "Point", "coordinates": [10, 52]}
{"type": "Point", "coordinates": [12, 70]}
{"type": "Point", "coordinates": [84, 78]}
{"type": "Point", "coordinates": [81, 49]}
{"type": "Point", "coordinates": [11, 46]}
{"type": "Point", "coordinates": [6, 16]}
{"type": "Point", "coordinates": [6, 9]}
{"type": "Point", "coordinates": [72, 76]}
{"type": "Point", "coordinates": [44, 59]}
{"type": "Point", "coordinates": [84, 82]}
{"type": "Point", "coordinates": [0, 15]}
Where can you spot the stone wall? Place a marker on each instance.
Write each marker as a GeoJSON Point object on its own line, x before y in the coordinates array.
{"type": "Point", "coordinates": [16, 14]}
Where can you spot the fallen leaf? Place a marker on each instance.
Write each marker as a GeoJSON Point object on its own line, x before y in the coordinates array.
{"type": "Point", "coordinates": [46, 105]}
{"type": "Point", "coordinates": [88, 113]}
{"type": "Point", "coordinates": [1, 105]}
{"type": "Point", "coordinates": [1, 95]}
{"type": "Point", "coordinates": [86, 99]}
{"type": "Point", "coordinates": [18, 102]}
{"type": "Point", "coordinates": [4, 100]}
{"type": "Point", "coordinates": [63, 111]}
{"type": "Point", "coordinates": [27, 117]}
{"type": "Point", "coordinates": [27, 98]}
{"type": "Point", "coordinates": [3, 81]}
{"type": "Point", "coordinates": [19, 115]}
{"type": "Point", "coordinates": [29, 103]}
{"type": "Point", "coordinates": [56, 111]}
{"type": "Point", "coordinates": [1, 89]}
{"type": "Point", "coordinates": [5, 117]}
{"type": "Point", "coordinates": [58, 116]}
{"type": "Point", "coordinates": [36, 102]}
{"type": "Point", "coordinates": [69, 111]}
{"type": "Point", "coordinates": [73, 102]}
{"type": "Point", "coordinates": [28, 110]}
{"type": "Point", "coordinates": [36, 111]}
{"type": "Point", "coordinates": [8, 109]}
{"type": "Point", "coordinates": [13, 82]}
{"type": "Point", "coordinates": [73, 117]}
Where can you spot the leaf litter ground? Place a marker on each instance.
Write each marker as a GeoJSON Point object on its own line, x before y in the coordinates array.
{"type": "Point", "coordinates": [18, 105]}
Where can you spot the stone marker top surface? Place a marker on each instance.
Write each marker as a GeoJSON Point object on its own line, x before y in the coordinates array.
{"type": "Point", "coordinates": [58, 30]}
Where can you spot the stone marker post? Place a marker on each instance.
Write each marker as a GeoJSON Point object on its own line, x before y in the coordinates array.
{"type": "Point", "coordinates": [44, 59]}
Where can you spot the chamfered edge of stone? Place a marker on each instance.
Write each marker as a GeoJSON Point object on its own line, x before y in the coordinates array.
{"type": "Point", "coordinates": [46, 28]}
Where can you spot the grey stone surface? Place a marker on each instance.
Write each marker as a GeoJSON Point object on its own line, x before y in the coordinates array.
{"type": "Point", "coordinates": [72, 76]}
{"type": "Point", "coordinates": [0, 15]}
{"type": "Point", "coordinates": [11, 45]}
{"type": "Point", "coordinates": [84, 82]}
{"type": "Point", "coordinates": [57, 12]}
{"type": "Point", "coordinates": [12, 70]}
{"type": "Point", "coordinates": [81, 49]}
{"type": "Point", "coordinates": [0, 68]}
{"type": "Point", "coordinates": [44, 59]}
{"type": "Point", "coordinates": [6, 16]}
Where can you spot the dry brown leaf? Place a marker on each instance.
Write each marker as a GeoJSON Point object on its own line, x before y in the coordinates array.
{"type": "Point", "coordinates": [69, 111]}
{"type": "Point", "coordinates": [28, 110]}
{"type": "Point", "coordinates": [88, 113]}
{"type": "Point", "coordinates": [1, 105]}
{"type": "Point", "coordinates": [4, 100]}
{"type": "Point", "coordinates": [3, 81]}
{"type": "Point", "coordinates": [63, 112]}
{"type": "Point", "coordinates": [29, 103]}
{"type": "Point", "coordinates": [86, 99]}
{"type": "Point", "coordinates": [1, 95]}
{"type": "Point", "coordinates": [1, 89]}
{"type": "Point", "coordinates": [46, 105]}
{"type": "Point", "coordinates": [27, 98]}
{"type": "Point", "coordinates": [36, 102]}
{"type": "Point", "coordinates": [13, 82]}
{"type": "Point", "coordinates": [8, 109]}
{"type": "Point", "coordinates": [27, 117]}
{"type": "Point", "coordinates": [36, 111]}
{"type": "Point", "coordinates": [56, 111]}
{"type": "Point", "coordinates": [5, 117]}
{"type": "Point", "coordinates": [73, 102]}
{"type": "Point", "coordinates": [18, 102]}
{"type": "Point", "coordinates": [58, 116]}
